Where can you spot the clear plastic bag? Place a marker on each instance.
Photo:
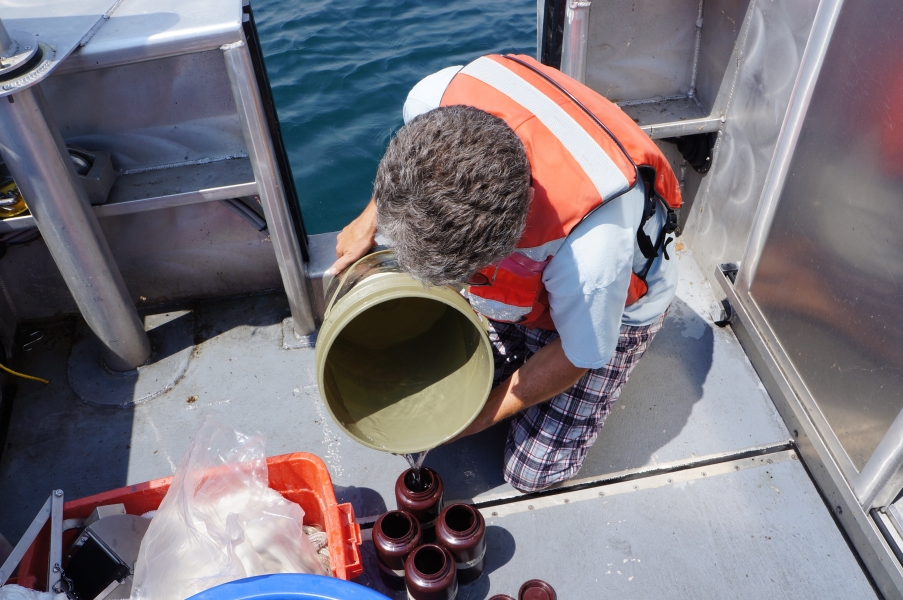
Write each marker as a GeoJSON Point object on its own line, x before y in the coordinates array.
{"type": "Point", "coordinates": [17, 592]}
{"type": "Point", "coordinates": [220, 522]}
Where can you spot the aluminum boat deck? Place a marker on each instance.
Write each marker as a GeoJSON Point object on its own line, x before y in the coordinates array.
{"type": "Point", "coordinates": [714, 477]}
{"type": "Point", "coordinates": [693, 488]}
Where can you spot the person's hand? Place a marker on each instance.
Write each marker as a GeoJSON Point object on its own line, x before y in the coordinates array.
{"type": "Point", "coordinates": [355, 240]}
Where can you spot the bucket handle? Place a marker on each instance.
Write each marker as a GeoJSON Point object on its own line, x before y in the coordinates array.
{"type": "Point", "coordinates": [382, 260]}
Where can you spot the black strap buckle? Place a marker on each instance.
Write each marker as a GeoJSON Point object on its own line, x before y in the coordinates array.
{"type": "Point", "coordinates": [671, 221]}
{"type": "Point", "coordinates": [660, 247]}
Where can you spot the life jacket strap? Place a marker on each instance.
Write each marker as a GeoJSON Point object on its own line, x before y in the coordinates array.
{"type": "Point", "coordinates": [651, 251]}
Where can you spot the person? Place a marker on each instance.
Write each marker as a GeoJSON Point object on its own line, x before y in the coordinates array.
{"type": "Point", "coordinates": [555, 210]}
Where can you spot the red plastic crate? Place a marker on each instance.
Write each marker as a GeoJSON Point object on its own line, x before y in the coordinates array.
{"type": "Point", "coordinates": [299, 477]}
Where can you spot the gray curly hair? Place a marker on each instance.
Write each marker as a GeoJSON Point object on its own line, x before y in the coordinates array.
{"type": "Point", "coordinates": [452, 193]}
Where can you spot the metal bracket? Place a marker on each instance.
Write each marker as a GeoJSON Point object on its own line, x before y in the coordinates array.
{"type": "Point", "coordinates": [53, 510]}
{"type": "Point", "coordinates": [729, 270]}
{"type": "Point", "coordinates": [575, 39]}
{"type": "Point", "coordinates": [55, 560]}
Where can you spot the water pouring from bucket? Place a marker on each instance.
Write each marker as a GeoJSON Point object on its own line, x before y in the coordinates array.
{"type": "Point", "coordinates": [401, 368]}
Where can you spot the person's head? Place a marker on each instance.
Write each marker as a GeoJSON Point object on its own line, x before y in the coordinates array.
{"type": "Point", "coordinates": [452, 193]}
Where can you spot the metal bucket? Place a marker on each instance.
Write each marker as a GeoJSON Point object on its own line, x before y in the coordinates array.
{"type": "Point", "coordinates": [401, 368]}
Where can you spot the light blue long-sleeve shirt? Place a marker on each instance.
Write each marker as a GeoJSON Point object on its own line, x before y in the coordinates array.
{"type": "Point", "coordinates": [587, 280]}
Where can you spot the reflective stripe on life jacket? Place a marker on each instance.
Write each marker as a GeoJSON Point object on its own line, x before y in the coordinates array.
{"type": "Point", "coordinates": [577, 164]}
{"type": "Point", "coordinates": [597, 166]}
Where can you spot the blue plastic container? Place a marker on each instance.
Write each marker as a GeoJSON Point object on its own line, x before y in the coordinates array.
{"type": "Point", "coordinates": [289, 586]}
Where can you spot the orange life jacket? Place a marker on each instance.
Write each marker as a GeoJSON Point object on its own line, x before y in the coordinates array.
{"type": "Point", "coordinates": [584, 151]}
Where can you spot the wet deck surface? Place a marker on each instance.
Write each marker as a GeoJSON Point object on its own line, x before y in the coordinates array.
{"type": "Point", "coordinates": [694, 395]}
{"type": "Point", "coordinates": [699, 536]}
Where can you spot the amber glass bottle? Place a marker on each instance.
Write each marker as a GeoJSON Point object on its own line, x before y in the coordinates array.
{"type": "Point", "coordinates": [395, 535]}
{"type": "Point", "coordinates": [429, 573]}
{"type": "Point", "coordinates": [462, 530]}
{"type": "Point", "coordinates": [423, 501]}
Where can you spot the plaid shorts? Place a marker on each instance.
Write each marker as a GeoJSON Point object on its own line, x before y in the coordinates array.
{"type": "Point", "coordinates": [548, 443]}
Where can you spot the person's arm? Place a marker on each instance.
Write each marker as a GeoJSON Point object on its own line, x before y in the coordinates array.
{"type": "Point", "coordinates": [355, 240]}
{"type": "Point", "coordinates": [587, 283]}
{"type": "Point", "coordinates": [545, 375]}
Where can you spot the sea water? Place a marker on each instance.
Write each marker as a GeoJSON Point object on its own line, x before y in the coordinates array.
{"type": "Point", "coordinates": [341, 69]}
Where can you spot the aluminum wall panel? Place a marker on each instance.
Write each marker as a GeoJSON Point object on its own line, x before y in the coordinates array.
{"type": "Point", "coordinates": [722, 21]}
{"type": "Point", "coordinates": [147, 29]}
{"type": "Point", "coordinates": [196, 251]}
{"type": "Point", "coordinates": [769, 52]}
{"type": "Point", "coordinates": [829, 276]}
{"type": "Point", "coordinates": [150, 113]}
{"type": "Point", "coordinates": [641, 49]}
